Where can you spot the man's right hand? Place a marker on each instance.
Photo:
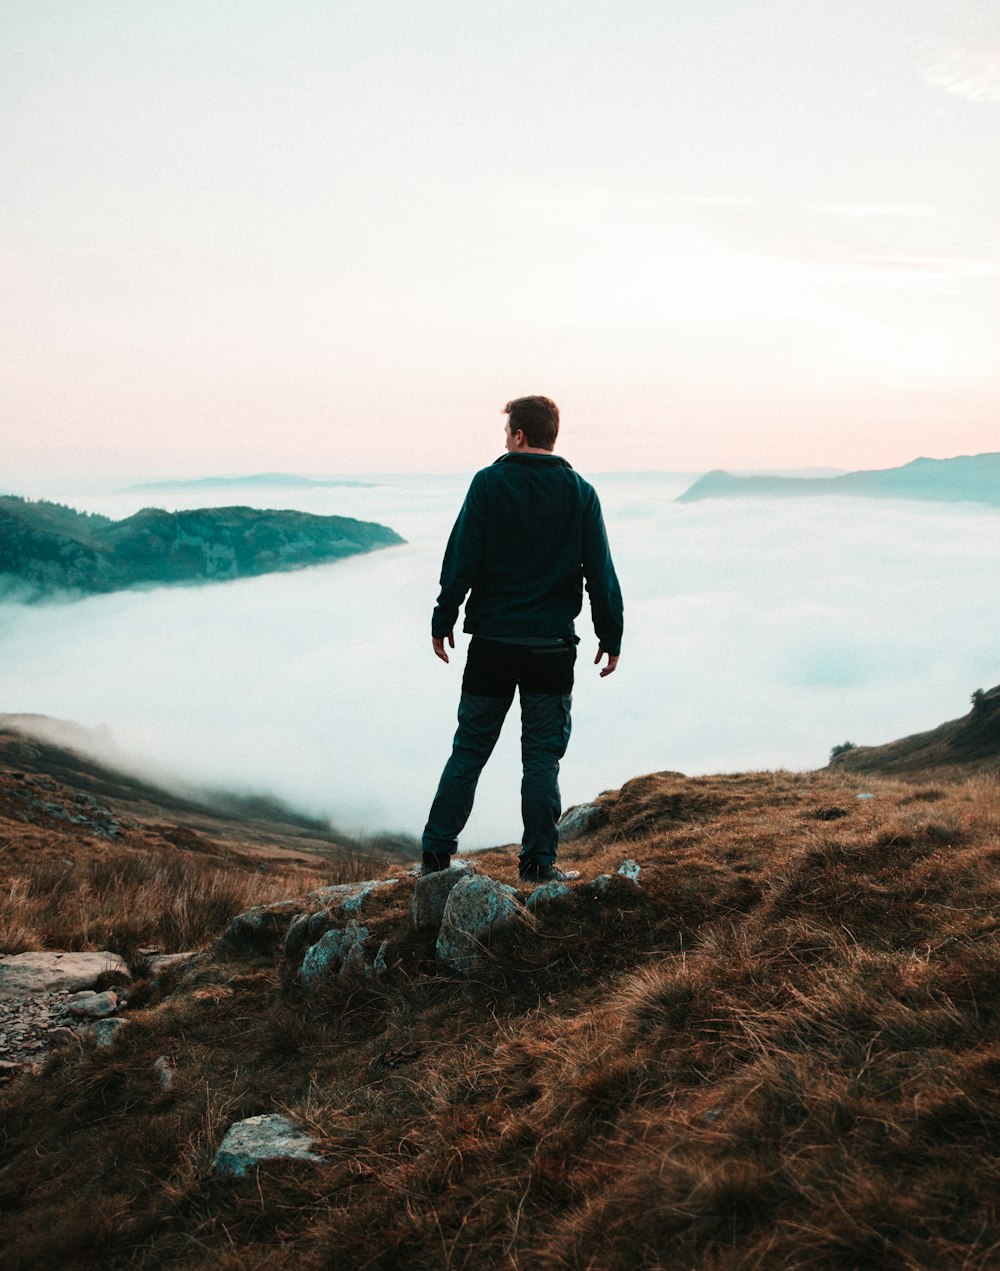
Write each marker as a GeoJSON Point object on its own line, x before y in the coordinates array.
{"type": "Point", "coordinates": [440, 650]}
{"type": "Point", "coordinates": [612, 662]}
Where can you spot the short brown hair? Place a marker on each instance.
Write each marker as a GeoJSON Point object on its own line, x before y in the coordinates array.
{"type": "Point", "coordinates": [538, 419]}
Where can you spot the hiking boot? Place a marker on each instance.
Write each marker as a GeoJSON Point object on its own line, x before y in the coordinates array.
{"type": "Point", "coordinates": [434, 862]}
{"type": "Point", "coordinates": [533, 872]}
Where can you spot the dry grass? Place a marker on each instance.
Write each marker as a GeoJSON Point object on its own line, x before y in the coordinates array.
{"type": "Point", "coordinates": [122, 898]}
{"type": "Point", "coordinates": [781, 1052]}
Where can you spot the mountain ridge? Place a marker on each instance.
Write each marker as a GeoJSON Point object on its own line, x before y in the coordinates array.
{"type": "Point", "coordinates": [961, 479]}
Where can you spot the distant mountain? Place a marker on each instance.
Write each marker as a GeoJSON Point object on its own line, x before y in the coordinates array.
{"type": "Point", "coordinates": [974, 739]}
{"type": "Point", "coordinates": [964, 479]}
{"type": "Point", "coordinates": [260, 480]}
{"type": "Point", "coordinates": [46, 547]}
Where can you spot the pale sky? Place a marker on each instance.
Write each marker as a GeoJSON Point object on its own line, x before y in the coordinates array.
{"type": "Point", "coordinates": [247, 235]}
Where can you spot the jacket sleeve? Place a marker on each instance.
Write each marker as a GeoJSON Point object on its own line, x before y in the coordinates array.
{"type": "Point", "coordinates": [462, 559]}
{"type": "Point", "coordinates": [601, 579]}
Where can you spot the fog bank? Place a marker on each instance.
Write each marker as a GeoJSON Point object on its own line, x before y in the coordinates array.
{"type": "Point", "coordinates": [757, 635]}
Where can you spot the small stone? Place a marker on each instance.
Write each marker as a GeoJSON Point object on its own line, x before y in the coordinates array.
{"type": "Point", "coordinates": [104, 1031]}
{"type": "Point", "coordinates": [97, 1006]}
{"type": "Point", "coordinates": [61, 1036]}
{"type": "Point", "coordinates": [629, 869]}
{"type": "Point", "coordinates": [263, 1138]}
{"type": "Point", "coordinates": [600, 884]}
{"type": "Point", "coordinates": [165, 1068]}
{"type": "Point", "coordinates": [582, 819]}
{"type": "Point", "coordinates": [331, 952]}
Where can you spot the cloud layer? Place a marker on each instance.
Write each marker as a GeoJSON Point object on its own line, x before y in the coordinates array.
{"type": "Point", "coordinates": [757, 635]}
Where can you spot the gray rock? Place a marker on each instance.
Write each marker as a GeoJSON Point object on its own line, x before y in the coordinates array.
{"type": "Point", "coordinates": [379, 963]}
{"type": "Point", "coordinates": [264, 1138]}
{"type": "Point", "coordinates": [61, 1036]}
{"type": "Point", "coordinates": [547, 892]}
{"type": "Point", "coordinates": [90, 1005]}
{"type": "Point", "coordinates": [582, 819]}
{"type": "Point", "coordinates": [104, 1031]}
{"type": "Point", "coordinates": [600, 884]}
{"type": "Point", "coordinates": [430, 895]}
{"type": "Point", "coordinates": [476, 906]}
{"type": "Point", "coordinates": [165, 1068]}
{"type": "Point", "coordinates": [629, 869]}
{"type": "Point", "coordinates": [262, 928]}
{"type": "Point", "coordinates": [22, 974]}
{"type": "Point", "coordinates": [160, 963]}
{"type": "Point", "coordinates": [335, 953]}
{"type": "Point", "coordinates": [351, 896]}
{"type": "Point", "coordinates": [319, 924]}
{"type": "Point", "coordinates": [297, 938]}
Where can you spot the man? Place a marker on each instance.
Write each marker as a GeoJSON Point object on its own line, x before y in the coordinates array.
{"type": "Point", "coordinates": [529, 533]}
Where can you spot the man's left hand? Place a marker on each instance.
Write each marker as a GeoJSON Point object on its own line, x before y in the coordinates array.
{"type": "Point", "coordinates": [439, 648]}
{"type": "Point", "coordinates": [612, 662]}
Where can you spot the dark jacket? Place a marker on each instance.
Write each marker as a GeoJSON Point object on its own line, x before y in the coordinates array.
{"type": "Point", "coordinates": [529, 533]}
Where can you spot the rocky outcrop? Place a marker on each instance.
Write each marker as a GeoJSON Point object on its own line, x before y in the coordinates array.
{"type": "Point", "coordinates": [430, 895]}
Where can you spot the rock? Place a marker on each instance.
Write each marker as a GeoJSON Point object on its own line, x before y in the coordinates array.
{"type": "Point", "coordinates": [165, 1068]}
{"type": "Point", "coordinates": [318, 925]}
{"type": "Point", "coordinates": [337, 952]}
{"type": "Point", "coordinates": [160, 963]}
{"type": "Point", "coordinates": [629, 869]}
{"type": "Point", "coordinates": [600, 884]}
{"type": "Point", "coordinates": [297, 938]}
{"type": "Point", "coordinates": [351, 896]}
{"type": "Point", "coordinates": [22, 974]}
{"type": "Point", "coordinates": [262, 928]}
{"type": "Point", "coordinates": [476, 905]}
{"type": "Point", "coordinates": [61, 1036]}
{"type": "Point", "coordinates": [548, 891]}
{"type": "Point", "coordinates": [379, 963]}
{"type": "Point", "coordinates": [430, 895]}
{"type": "Point", "coordinates": [104, 1031]}
{"type": "Point", "coordinates": [582, 819]}
{"type": "Point", "coordinates": [92, 1005]}
{"type": "Point", "coordinates": [263, 1138]}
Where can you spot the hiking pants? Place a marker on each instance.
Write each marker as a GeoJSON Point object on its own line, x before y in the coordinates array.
{"type": "Point", "coordinates": [544, 676]}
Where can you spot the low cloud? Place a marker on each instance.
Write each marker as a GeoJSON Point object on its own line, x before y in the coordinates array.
{"type": "Point", "coordinates": [973, 74]}
{"type": "Point", "coordinates": [758, 635]}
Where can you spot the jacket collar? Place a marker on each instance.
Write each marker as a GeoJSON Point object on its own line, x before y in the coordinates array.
{"type": "Point", "coordinates": [519, 456]}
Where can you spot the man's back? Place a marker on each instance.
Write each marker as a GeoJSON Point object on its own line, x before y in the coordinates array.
{"type": "Point", "coordinates": [528, 533]}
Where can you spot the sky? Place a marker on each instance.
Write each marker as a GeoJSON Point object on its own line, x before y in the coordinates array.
{"type": "Point", "coordinates": [290, 235]}
{"type": "Point", "coordinates": [758, 634]}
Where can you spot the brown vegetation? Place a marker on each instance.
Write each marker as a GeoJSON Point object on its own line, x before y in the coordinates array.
{"type": "Point", "coordinates": [781, 1051]}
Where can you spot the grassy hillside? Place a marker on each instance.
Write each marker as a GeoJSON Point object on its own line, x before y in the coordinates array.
{"type": "Point", "coordinates": [47, 547]}
{"type": "Point", "coordinates": [780, 1051]}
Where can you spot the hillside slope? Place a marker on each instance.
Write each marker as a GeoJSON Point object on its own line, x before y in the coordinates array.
{"type": "Point", "coordinates": [46, 548]}
{"type": "Point", "coordinates": [780, 1050]}
{"type": "Point", "coordinates": [972, 741]}
{"type": "Point", "coordinates": [963, 479]}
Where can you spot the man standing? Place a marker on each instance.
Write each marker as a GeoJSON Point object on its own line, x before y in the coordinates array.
{"type": "Point", "coordinates": [529, 534]}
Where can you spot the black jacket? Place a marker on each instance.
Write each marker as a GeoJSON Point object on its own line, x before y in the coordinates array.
{"type": "Point", "coordinates": [529, 534]}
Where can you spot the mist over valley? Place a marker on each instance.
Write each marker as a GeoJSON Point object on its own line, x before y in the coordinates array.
{"type": "Point", "coordinates": [758, 635]}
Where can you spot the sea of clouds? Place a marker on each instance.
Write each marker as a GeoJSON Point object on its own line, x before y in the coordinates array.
{"type": "Point", "coordinates": [758, 635]}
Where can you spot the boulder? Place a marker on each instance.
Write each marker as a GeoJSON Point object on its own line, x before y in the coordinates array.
{"type": "Point", "coordinates": [582, 819]}
{"type": "Point", "coordinates": [476, 905]}
{"type": "Point", "coordinates": [160, 963]}
{"type": "Point", "coordinates": [430, 895]}
{"type": "Point", "coordinates": [264, 1138]}
{"type": "Point", "coordinates": [23, 974]}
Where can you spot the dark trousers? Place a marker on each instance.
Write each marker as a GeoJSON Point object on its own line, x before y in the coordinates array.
{"type": "Point", "coordinates": [493, 671]}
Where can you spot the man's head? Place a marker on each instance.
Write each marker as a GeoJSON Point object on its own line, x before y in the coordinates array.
{"type": "Point", "coordinates": [537, 418]}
